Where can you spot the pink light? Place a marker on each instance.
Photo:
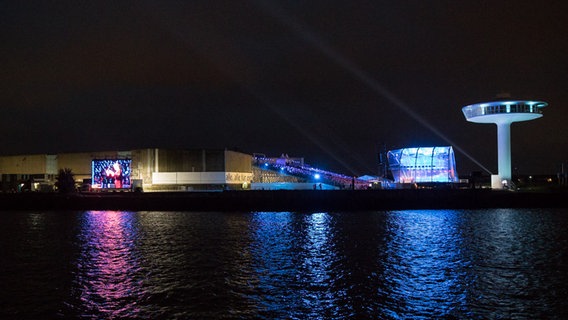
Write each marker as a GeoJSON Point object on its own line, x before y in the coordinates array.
{"type": "Point", "coordinates": [108, 264]}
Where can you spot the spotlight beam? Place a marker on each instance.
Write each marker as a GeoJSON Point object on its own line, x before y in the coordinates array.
{"type": "Point", "coordinates": [312, 38]}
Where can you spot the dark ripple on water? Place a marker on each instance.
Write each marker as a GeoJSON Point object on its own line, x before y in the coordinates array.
{"type": "Point", "coordinates": [497, 264]}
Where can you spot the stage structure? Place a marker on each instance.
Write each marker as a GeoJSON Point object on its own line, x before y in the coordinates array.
{"type": "Point", "coordinates": [423, 165]}
{"type": "Point", "coordinates": [503, 113]}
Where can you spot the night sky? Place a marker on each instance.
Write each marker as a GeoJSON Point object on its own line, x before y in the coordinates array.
{"type": "Point", "coordinates": [330, 81]}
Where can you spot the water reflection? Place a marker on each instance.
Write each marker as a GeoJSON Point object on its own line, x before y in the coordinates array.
{"type": "Point", "coordinates": [310, 267]}
{"type": "Point", "coordinates": [517, 254]}
{"type": "Point", "coordinates": [464, 264]}
{"type": "Point", "coordinates": [198, 265]}
{"type": "Point", "coordinates": [31, 268]}
{"type": "Point", "coordinates": [108, 272]}
{"type": "Point", "coordinates": [273, 250]}
{"type": "Point", "coordinates": [317, 257]}
{"type": "Point", "coordinates": [426, 268]}
{"type": "Point", "coordinates": [407, 264]}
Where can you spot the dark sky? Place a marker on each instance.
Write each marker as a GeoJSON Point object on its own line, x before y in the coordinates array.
{"type": "Point", "coordinates": [327, 80]}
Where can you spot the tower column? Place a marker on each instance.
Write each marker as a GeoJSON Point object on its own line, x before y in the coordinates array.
{"type": "Point", "coordinates": [503, 113]}
{"type": "Point", "coordinates": [504, 151]}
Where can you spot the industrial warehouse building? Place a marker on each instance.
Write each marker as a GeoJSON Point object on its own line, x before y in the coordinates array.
{"type": "Point", "coordinates": [213, 169]}
{"type": "Point", "coordinates": [156, 169]}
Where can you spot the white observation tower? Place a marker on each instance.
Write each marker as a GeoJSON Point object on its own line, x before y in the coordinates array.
{"type": "Point", "coordinates": [503, 113]}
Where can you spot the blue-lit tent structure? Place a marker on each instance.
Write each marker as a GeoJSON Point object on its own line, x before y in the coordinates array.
{"type": "Point", "coordinates": [423, 165]}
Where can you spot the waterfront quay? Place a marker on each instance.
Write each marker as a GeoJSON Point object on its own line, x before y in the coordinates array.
{"type": "Point", "coordinates": [287, 200]}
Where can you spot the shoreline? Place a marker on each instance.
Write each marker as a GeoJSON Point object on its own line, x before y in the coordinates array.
{"type": "Point", "coordinates": [287, 200]}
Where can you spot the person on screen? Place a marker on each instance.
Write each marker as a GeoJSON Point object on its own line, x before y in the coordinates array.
{"type": "Point", "coordinates": [114, 174]}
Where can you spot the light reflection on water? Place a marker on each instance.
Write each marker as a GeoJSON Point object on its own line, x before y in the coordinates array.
{"type": "Point", "coordinates": [296, 261]}
{"type": "Point", "coordinates": [283, 265]}
{"type": "Point", "coordinates": [108, 278]}
{"type": "Point", "coordinates": [521, 264]}
{"type": "Point", "coordinates": [318, 259]}
{"type": "Point", "coordinates": [427, 265]}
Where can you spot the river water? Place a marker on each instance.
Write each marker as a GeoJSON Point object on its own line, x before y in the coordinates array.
{"type": "Point", "coordinates": [451, 264]}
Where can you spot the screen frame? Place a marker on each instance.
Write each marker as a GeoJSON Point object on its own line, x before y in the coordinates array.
{"type": "Point", "coordinates": [111, 174]}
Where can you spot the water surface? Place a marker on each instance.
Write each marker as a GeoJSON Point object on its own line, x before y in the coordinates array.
{"type": "Point", "coordinates": [476, 264]}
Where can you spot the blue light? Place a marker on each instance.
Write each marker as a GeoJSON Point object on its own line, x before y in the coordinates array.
{"type": "Point", "coordinates": [317, 176]}
{"type": "Point", "coordinates": [426, 281]}
{"type": "Point", "coordinates": [424, 164]}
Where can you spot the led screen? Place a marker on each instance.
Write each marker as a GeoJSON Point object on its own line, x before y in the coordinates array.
{"type": "Point", "coordinates": [111, 173]}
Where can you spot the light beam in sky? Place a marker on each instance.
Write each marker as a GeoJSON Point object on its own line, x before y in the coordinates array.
{"type": "Point", "coordinates": [304, 32]}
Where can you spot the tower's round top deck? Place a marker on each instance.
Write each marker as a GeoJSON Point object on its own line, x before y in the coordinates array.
{"type": "Point", "coordinates": [505, 111]}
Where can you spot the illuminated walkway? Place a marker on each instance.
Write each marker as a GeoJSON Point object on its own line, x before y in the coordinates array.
{"type": "Point", "coordinates": [306, 173]}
